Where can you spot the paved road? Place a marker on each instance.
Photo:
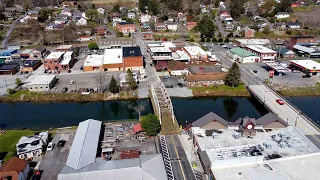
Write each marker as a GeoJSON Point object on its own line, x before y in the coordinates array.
{"type": "Point", "coordinates": [13, 24]}
{"type": "Point", "coordinates": [180, 164]}
{"type": "Point", "coordinates": [220, 26]}
{"type": "Point", "coordinates": [268, 23]}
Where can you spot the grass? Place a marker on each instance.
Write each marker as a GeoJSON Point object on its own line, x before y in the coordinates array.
{"type": "Point", "coordinates": [305, 91]}
{"type": "Point", "coordinates": [9, 139]}
{"type": "Point", "coordinates": [220, 90]}
{"type": "Point", "coordinates": [305, 8]}
{"type": "Point", "coordinates": [22, 92]}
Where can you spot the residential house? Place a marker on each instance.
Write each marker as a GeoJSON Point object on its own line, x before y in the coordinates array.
{"type": "Point", "coordinates": [264, 53]}
{"type": "Point", "coordinates": [61, 20]}
{"type": "Point", "coordinates": [53, 26]}
{"type": "Point", "coordinates": [294, 25]}
{"type": "Point", "coordinates": [69, 3]}
{"type": "Point", "coordinates": [147, 36]}
{"type": "Point", "coordinates": [30, 65]}
{"type": "Point", "coordinates": [25, 54]}
{"type": "Point", "coordinates": [146, 26]}
{"type": "Point", "coordinates": [293, 5]}
{"type": "Point", "coordinates": [15, 169]}
{"type": "Point", "coordinates": [5, 54]}
{"type": "Point", "coordinates": [115, 14]}
{"type": "Point", "coordinates": [66, 12]}
{"type": "Point", "coordinates": [132, 58]}
{"type": "Point", "coordinates": [182, 17]}
{"type": "Point", "coordinates": [131, 15]}
{"type": "Point", "coordinates": [205, 79]}
{"type": "Point", "coordinates": [172, 26]}
{"type": "Point", "coordinates": [144, 18]}
{"type": "Point", "coordinates": [31, 146]}
{"type": "Point", "coordinates": [229, 26]}
{"type": "Point", "coordinates": [243, 56]}
{"type": "Point", "coordinates": [33, 12]}
{"type": "Point", "coordinates": [161, 26]}
{"type": "Point", "coordinates": [81, 22]}
{"type": "Point", "coordinates": [248, 32]}
{"type": "Point", "coordinates": [282, 15]}
{"type": "Point", "coordinates": [191, 25]}
{"type": "Point", "coordinates": [226, 17]}
{"type": "Point", "coordinates": [285, 53]}
{"type": "Point", "coordinates": [126, 28]}
{"type": "Point", "coordinates": [101, 31]}
{"type": "Point", "coordinates": [28, 17]}
{"type": "Point", "coordinates": [101, 10]}
{"type": "Point", "coordinates": [116, 19]}
{"type": "Point", "coordinates": [52, 61]}
{"type": "Point", "coordinates": [177, 68]}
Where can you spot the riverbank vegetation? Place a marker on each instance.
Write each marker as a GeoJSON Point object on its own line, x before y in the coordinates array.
{"type": "Point", "coordinates": [27, 96]}
{"type": "Point", "coordinates": [220, 90]}
{"type": "Point", "coordinates": [303, 92]}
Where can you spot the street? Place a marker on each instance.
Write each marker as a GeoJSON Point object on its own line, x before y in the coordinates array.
{"type": "Point", "coordinates": [13, 24]}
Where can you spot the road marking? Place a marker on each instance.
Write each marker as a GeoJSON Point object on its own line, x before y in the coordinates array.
{"type": "Point", "coordinates": [174, 145]}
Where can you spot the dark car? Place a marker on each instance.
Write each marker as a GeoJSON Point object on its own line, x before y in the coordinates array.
{"type": "Point", "coordinates": [150, 64]}
{"type": "Point", "coordinates": [65, 89]}
{"type": "Point", "coordinates": [81, 68]}
{"type": "Point", "coordinates": [255, 71]}
{"type": "Point", "coordinates": [180, 85]}
{"type": "Point", "coordinates": [306, 76]}
{"type": "Point", "coordinates": [69, 71]}
{"type": "Point", "coordinates": [61, 143]}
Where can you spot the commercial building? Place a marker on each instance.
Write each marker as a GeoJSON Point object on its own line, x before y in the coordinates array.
{"type": "Point", "coordinates": [196, 53]}
{"type": "Point", "coordinates": [42, 83]}
{"type": "Point", "coordinates": [31, 146]}
{"type": "Point", "coordinates": [25, 54]}
{"type": "Point", "coordinates": [10, 67]}
{"type": "Point", "coordinates": [285, 53]}
{"type": "Point", "coordinates": [205, 79]}
{"type": "Point", "coordinates": [126, 28]}
{"type": "Point", "coordinates": [306, 51]}
{"type": "Point", "coordinates": [112, 60]}
{"type": "Point", "coordinates": [64, 48]}
{"type": "Point", "coordinates": [147, 36]}
{"type": "Point", "coordinates": [30, 65]}
{"type": "Point", "coordinates": [132, 58]}
{"type": "Point", "coordinates": [250, 42]}
{"type": "Point", "coordinates": [38, 52]}
{"type": "Point", "coordinates": [93, 63]}
{"type": "Point", "coordinates": [15, 169]}
{"type": "Point", "coordinates": [160, 53]}
{"type": "Point", "coordinates": [177, 68]}
{"type": "Point", "coordinates": [265, 54]}
{"type": "Point", "coordinates": [243, 56]}
{"type": "Point", "coordinates": [5, 54]}
{"type": "Point", "coordinates": [52, 61]}
{"type": "Point", "coordinates": [68, 60]}
{"type": "Point", "coordinates": [112, 43]}
{"type": "Point", "coordinates": [306, 66]}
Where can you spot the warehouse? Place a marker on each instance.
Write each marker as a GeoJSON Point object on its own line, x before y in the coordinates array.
{"type": "Point", "coordinates": [243, 56]}
{"type": "Point", "coordinates": [42, 83]}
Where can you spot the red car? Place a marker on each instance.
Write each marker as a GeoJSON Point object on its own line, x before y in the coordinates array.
{"type": "Point", "coordinates": [279, 101]}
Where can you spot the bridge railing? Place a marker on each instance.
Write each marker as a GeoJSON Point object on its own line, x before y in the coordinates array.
{"type": "Point", "coordinates": [156, 102]}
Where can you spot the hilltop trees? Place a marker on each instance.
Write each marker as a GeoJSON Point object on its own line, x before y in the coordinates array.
{"type": "Point", "coordinates": [233, 77]}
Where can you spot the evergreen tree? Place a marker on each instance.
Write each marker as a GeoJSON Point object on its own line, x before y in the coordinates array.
{"type": "Point", "coordinates": [208, 39]}
{"type": "Point", "coordinates": [214, 39]}
{"type": "Point", "coordinates": [113, 86]}
{"type": "Point", "coordinates": [130, 80]}
{"type": "Point", "coordinates": [233, 77]}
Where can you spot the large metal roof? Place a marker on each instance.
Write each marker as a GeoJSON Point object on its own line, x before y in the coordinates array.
{"type": "Point", "coordinates": [84, 147]}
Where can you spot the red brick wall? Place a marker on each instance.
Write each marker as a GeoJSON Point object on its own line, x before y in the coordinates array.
{"type": "Point", "coordinates": [133, 61]}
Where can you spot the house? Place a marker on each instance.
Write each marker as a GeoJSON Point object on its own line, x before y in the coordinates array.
{"type": "Point", "coordinates": [126, 28]}
{"type": "Point", "coordinates": [137, 128]}
{"type": "Point", "coordinates": [66, 12]}
{"type": "Point", "coordinates": [285, 53]}
{"type": "Point", "coordinates": [81, 22]}
{"type": "Point", "coordinates": [144, 18]}
{"type": "Point", "coordinates": [116, 19]}
{"type": "Point", "coordinates": [30, 65]}
{"type": "Point", "coordinates": [248, 32]}
{"type": "Point", "coordinates": [132, 58]}
{"type": "Point", "coordinates": [42, 83]}
{"type": "Point", "coordinates": [101, 31]}
{"type": "Point", "coordinates": [10, 10]}
{"type": "Point", "coordinates": [294, 25]}
{"type": "Point", "coordinates": [196, 53]}
{"type": "Point", "coordinates": [33, 12]}
{"type": "Point", "coordinates": [123, 79]}
{"type": "Point", "coordinates": [147, 36]}
{"type": "Point", "coordinates": [205, 79]}
{"type": "Point", "coordinates": [15, 169]}
{"type": "Point", "coordinates": [131, 15]}
{"type": "Point", "coordinates": [243, 56]}
{"type": "Point", "coordinates": [177, 68]}
{"type": "Point", "coordinates": [293, 5]}
{"type": "Point", "coordinates": [10, 67]}
{"type": "Point", "coordinates": [229, 26]}
{"type": "Point", "coordinates": [52, 61]}
{"type": "Point", "coordinates": [223, 15]}
{"type": "Point", "coordinates": [171, 26]}
{"type": "Point", "coordinates": [60, 21]}
{"type": "Point", "coordinates": [271, 121]}
{"type": "Point", "coordinates": [53, 26]}
{"type": "Point", "coordinates": [191, 25]}
{"type": "Point", "coordinates": [146, 26]}
{"type": "Point", "coordinates": [211, 121]}
{"type": "Point", "coordinates": [29, 17]}
{"type": "Point", "coordinates": [264, 53]}
{"type": "Point", "coordinates": [282, 15]}
{"type": "Point", "coordinates": [161, 26]}
{"type": "Point", "coordinates": [101, 11]}
{"type": "Point", "coordinates": [38, 52]}
{"type": "Point", "coordinates": [31, 146]}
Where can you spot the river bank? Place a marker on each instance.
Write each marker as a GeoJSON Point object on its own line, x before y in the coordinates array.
{"type": "Point", "coordinates": [221, 90]}
{"type": "Point", "coordinates": [301, 92]}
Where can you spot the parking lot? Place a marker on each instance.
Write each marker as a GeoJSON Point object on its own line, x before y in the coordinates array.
{"type": "Point", "coordinates": [53, 161]}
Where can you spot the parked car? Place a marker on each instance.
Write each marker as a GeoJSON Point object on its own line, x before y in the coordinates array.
{"type": "Point", "coordinates": [279, 101]}
{"type": "Point", "coordinates": [180, 85]}
{"type": "Point", "coordinates": [306, 76]}
{"type": "Point", "coordinates": [71, 82]}
{"type": "Point", "coordinates": [50, 146]}
{"type": "Point", "coordinates": [64, 90]}
{"type": "Point", "coordinates": [255, 71]}
{"type": "Point", "coordinates": [61, 143]}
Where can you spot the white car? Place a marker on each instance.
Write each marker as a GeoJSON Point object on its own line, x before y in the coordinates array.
{"type": "Point", "coordinates": [50, 146]}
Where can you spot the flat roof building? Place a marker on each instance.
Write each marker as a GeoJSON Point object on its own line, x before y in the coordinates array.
{"type": "Point", "coordinates": [250, 42]}
{"type": "Point", "coordinates": [243, 56]}
{"type": "Point", "coordinates": [264, 53]}
{"type": "Point", "coordinates": [113, 60]}
{"type": "Point", "coordinates": [42, 83]}
{"type": "Point", "coordinates": [64, 48]}
{"type": "Point", "coordinates": [132, 58]}
{"type": "Point", "coordinates": [15, 169]}
{"type": "Point", "coordinates": [196, 53]}
{"type": "Point", "coordinates": [93, 62]}
{"type": "Point", "coordinates": [30, 146]}
{"type": "Point", "coordinates": [307, 66]}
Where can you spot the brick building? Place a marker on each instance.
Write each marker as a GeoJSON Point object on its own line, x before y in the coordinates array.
{"type": "Point", "coordinates": [52, 61]}
{"type": "Point", "coordinates": [125, 27]}
{"type": "Point", "coordinates": [132, 58]}
{"type": "Point", "coordinates": [301, 40]}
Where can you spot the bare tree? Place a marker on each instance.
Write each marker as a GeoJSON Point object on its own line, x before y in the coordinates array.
{"type": "Point", "coordinates": [101, 80]}
{"type": "Point", "coordinates": [138, 108]}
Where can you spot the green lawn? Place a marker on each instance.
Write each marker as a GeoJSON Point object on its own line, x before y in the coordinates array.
{"type": "Point", "coordinates": [220, 90]}
{"type": "Point", "coordinates": [220, 87]}
{"type": "Point", "coordinates": [22, 92]}
{"type": "Point", "coordinates": [9, 139]}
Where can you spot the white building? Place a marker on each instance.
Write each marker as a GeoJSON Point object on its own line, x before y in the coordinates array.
{"type": "Point", "coordinates": [28, 17]}
{"type": "Point", "coordinates": [131, 15]}
{"type": "Point", "coordinates": [101, 10]}
{"type": "Point", "coordinates": [264, 53]}
{"type": "Point", "coordinates": [172, 26]}
{"type": "Point", "coordinates": [248, 42]}
{"type": "Point", "coordinates": [144, 18]}
{"type": "Point", "coordinates": [30, 146]}
{"type": "Point", "coordinates": [116, 19]}
{"type": "Point", "coordinates": [66, 12]}
{"type": "Point", "coordinates": [243, 56]}
{"type": "Point", "coordinates": [282, 15]}
{"type": "Point", "coordinates": [112, 60]}
{"type": "Point", "coordinates": [42, 83]}
{"type": "Point", "coordinates": [81, 22]}
{"type": "Point", "coordinates": [93, 62]}
{"type": "Point", "coordinates": [195, 53]}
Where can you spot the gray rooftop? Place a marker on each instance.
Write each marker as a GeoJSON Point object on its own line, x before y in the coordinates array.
{"type": "Point", "coordinates": [147, 167]}
{"type": "Point", "coordinates": [204, 120]}
{"type": "Point", "coordinates": [84, 147]}
{"type": "Point", "coordinates": [42, 79]}
{"type": "Point", "coordinates": [270, 118]}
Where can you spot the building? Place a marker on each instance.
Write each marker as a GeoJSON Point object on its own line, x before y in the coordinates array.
{"type": "Point", "coordinates": [25, 54]}
{"type": "Point", "coordinates": [28, 18]}
{"type": "Point", "coordinates": [10, 67]}
{"type": "Point", "coordinates": [15, 169]}
{"type": "Point", "coordinates": [83, 151]}
{"type": "Point", "coordinates": [31, 146]}
{"type": "Point", "coordinates": [129, 154]}
{"type": "Point", "coordinates": [177, 68]}
{"type": "Point", "coordinates": [5, 54]}
{"type": "Point", "coordinates": [137, 128]}
{"type": "Point", "coordinates": [147, 35]}
{"type": "Point", "coordinates": [123, 79]}
{"type": "Point", "coordinates": [306, 51]}
{"type": "Point", "coordinates": [81, 22]}
{"type": "Point", "coordinates": [194, 80]}
{"type": "Point", "coordinates": [196, 53]}
{"type": "Point", "coordinates": [101, 11]}
{"type": "Point", "coordinates": [191, 25]}
{"type": "Point", "coordinates": [111, 43]}
{"type": "Point", "coordinates": [64, 48]}
{"type": "Point", "coordinates": [69, 3]}
{"type": "Point", "coordinates": [248, 32]}
{"type": "Point", "coordinates": [285, 53]}
{"type": "Point", "coordinates": [131, 15]}
{"type": "Point", "coordinates": [42, 83]}
{"type": "Point", "coordinates": [306, 66]}
{"type": "Point", "coordinates": [160, 53]}
{"type": "Point", "coordinates": [52, 61]}
{"type": "Point", "coordinates": [144, 18]}
{"type": "Point", "coordinates": [250, 42]}
{"type": "Point", "coordinates": [67, 61]}
{"type": "Point", "coordinates": [132, 58]}
{"type": "Point", "coordinates": [30, 65]}
{"type": "Point", "coordinates": [126, 28]}
{"type": "Point", "coordinates": [171, 26]}
{"type": "Point", "coordinates": [243, 56]}
{"type": "Point", "coordinates": [38, 52]}
{"type": "Point", "coordinates": [112, 60]}
{"type": "Point", "coordinates": [282, 15]}
{"type": "Point", "coordinates": [93, 63]}
{"type": "Point", "coordinates": [53, 26]}
{"type": "Point", "coordinates": [161, 26]}
{"type": "Point", "coordinates": [116, 20]}
{"type": "Point", "coordinates": [294, 25]}
{"type": "Point", "coordinates": [301, 40]}
{"type": "Point", "coordinates": [101, 31]}
{"type": "Point", "coordinates": [264, 53]}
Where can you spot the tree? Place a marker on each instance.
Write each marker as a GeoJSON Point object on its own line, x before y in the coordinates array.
{"type": "Point", "coordinates": [138, 108]}
{"type": "Point", "coordinates": [237, 8]}
{"type": "Point", "coordinates": [93, 46]}
{"type": "Point", "coordinates": [150, 124]}
{"type": "Point", "coordinates": [202, 39]}
{"type": "Point", "coordinates": [174, 4]}
{"type": "Point", "coordinates": [113, 85]}
{"type": "Point", "coordinates": [219, 34]}
{"type": "Point", "coordinates": [101, 81]}
{"type": "Point", "coordinates": [2, 17]}
{"type": "Point", "coordinates": [226, 40]}
{"type": "Point", "coordinates": [266, 30]}
{"type": "Point", "coordinates": [208, 39]}
{"type": "Point", "coordinates": [116, 8]}
{"type": "Point", "coordinates": [44, 15]}
{"type": "Point", "coordinates": [153, 7]}
{"type": "Point", "coordinates": [191, 40]}
{"type": "Point", "coordinates": [18, 81]}
{"type": "Point", "coordinates": [92, 14]}
{"type": "Point", "coordinates": [142, 5]}
{"type": "Point", "coordinates": [129, 20]}
{"type": "Point", "coordinates": [220, 40]}
{"type": "Point", "coordinates": [230, 35]}
{"type": "Point", "coordinates": [206, 26]}
{"type": "Point", "coordinates": [119, 34]}
{"type": "Point", "coordinates": [214, 39]}
{"type": "Point", "coordinates": [129, 35]}
{"type": "Point", "coordinates": [10, 91]}
{"type": "Point", "coordinates": [284, 6]}
{"type": "Point", "coordinates": [216, 3]}
{"type": "Point", "coordinates": [233, 77]}
{"type": "Point", "coordinates": [130, 80]}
